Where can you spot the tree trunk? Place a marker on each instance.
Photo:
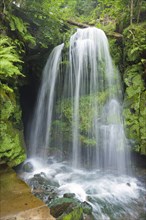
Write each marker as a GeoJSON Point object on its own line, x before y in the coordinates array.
{"type": "Point", "coordinates": [80, 25]}
{"type": "Point", "coordinates": [131, 11]}
{"type": "Point", "coordinates": [139, 4]}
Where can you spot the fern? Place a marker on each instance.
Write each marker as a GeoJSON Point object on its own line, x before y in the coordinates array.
{"type": "Point", "coordinates": [17, 24]}
{"type": "Point", "coordinates": [8, 59]}
{"type": "Point", "coordinates": [135, 44]}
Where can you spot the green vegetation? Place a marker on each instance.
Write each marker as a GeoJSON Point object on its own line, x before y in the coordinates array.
{"type": "Point", "coordinates": [135, 105]}
{"type": "Point", "coordinates": [11, 143]}
{"type": "Point", "coordinates": [70, 209]}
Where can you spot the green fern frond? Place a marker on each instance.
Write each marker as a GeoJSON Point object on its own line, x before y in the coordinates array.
{"type": "Point", "coordinates": [8, 59]}
{"type": "Point", "coordinates": [8, 68]}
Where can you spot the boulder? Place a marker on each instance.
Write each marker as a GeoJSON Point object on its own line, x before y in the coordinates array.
{"type": "Point", "coordinates": [28, 167]}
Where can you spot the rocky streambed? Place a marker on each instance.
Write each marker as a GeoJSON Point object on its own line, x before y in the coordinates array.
{"type": "Point", "coordinates": [73, 194]}
{"type": "Point", "coordinates": [62, 207]}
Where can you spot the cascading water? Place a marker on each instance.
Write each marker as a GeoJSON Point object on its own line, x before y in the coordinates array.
{"type": "Point", "coordinates": [84, 120]}
{"type": "Point", "coordinates": [42, 120]}
{"type": "Point", "coordinates": [91, 73]}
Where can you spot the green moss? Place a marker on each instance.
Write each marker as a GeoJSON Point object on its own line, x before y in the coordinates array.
{"type": "Point", "coordinates": [11, 138]}
{"type": "Point", "coordinates": [76, 214]}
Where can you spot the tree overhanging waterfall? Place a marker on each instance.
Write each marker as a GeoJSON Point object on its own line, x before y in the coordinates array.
{"type": "Point", "coordinates": [90, 75]}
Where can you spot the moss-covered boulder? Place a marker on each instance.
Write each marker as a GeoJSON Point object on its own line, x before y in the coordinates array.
{"type": "Point", "coordinates": [11, 138]}
{"type": "Point", "coordinates": [70, 209]}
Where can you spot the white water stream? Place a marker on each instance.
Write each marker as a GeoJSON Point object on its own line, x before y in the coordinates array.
{"type": "Point", "coordinates": [112, 196]}
{"type": "Point", "coordinates": [42, 119]}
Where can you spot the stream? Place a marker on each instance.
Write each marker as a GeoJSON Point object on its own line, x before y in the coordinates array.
{"type": "Point", "coordinates": [111, 196]}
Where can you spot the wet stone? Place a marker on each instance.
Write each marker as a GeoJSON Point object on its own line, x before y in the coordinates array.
{"type": "Point", "coordinates": [42, 188]}
{"type": "Point", "coordinates": [69, 195]}
{"type": "Point", "coordinates": [61, 206]}
{"type": "Point", "coordinates": [87, 208]}
{"type": "Point", "coordinates": [28, 167]}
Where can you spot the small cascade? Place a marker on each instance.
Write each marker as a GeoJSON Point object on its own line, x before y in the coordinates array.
{"type": "Point", "coordinates": [42, 120]}
{"type": "Point", "coordinates": [114, 142]}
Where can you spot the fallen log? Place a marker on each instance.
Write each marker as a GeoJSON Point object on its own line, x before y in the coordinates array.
{"type": "Point", "coordinates": [81, 25]}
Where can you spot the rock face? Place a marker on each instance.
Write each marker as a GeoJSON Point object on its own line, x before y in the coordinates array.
{"type": "Point", "coordinates": [17, 201]}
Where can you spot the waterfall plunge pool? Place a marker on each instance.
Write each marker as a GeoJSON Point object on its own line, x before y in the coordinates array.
{"type": "Point", "coordinates": [111, 196]}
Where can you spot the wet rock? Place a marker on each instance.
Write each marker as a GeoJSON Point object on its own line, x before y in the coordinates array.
{"type": "Point", "coordinates": [69, 195]}
{"type": "Point", "coordinates": [43, 180]}
{"type": "Point", "coordinates": [87, 208]}
{"type": "Point", "coordinates": [70, 209]}
{"type": "Point", "coordinates": [61, 206]}
{"type": "Point", "coordinates": [41, 187]}
{"type": "Point", "coordinates": [128, 184]}
{"type": "Point", "coordinates": [28, 167]}
{"type": "Point", "coordinates": [88, 217]}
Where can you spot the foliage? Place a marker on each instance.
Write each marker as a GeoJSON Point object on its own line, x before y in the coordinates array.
{"type": "Point", "coordinates": [8, 59]}
{"type": "Point", "coordinates": [116, 51]}
{"type": "Point", "coordinates": [11, 150]}
{"type": "Point", "coordinates": [135, 42]}
{"type": "Point", "coordinates": [17, 24]}
{"type": "Point", "coordinates": [11, 51]}
{"type": "Point", "coordinates": [134, 109]}
{"type": "Point", "coordinates": [133, 103]}
{"type": "Point", "coordinates": [47, 19]}
{"type": "Point", "coordinates": [142, 123]}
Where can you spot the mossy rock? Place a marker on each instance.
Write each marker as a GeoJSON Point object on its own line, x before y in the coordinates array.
{"type": "Point", "coordinates": [11, 136]}
{"type": "Point", "coordinates": [87, 208]}
{"type": "Point", "coordinates": [70, 209]}
{"type": "Point", "coordinates": [60, 206]}
{"type": "Point", "coordinates": [75, 214]}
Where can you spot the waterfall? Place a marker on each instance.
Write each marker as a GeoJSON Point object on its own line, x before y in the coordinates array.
{"type": "Point", "coordinates": [42, 120]}
{"type": "Point", "coordinates": [91, 86]}
{"type": "Point", "coordinates": [92, 73]}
